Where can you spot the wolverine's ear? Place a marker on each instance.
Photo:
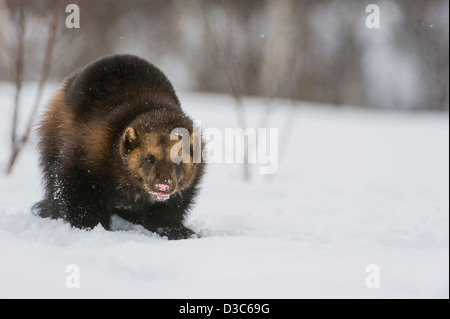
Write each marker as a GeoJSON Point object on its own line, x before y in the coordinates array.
{"type": "Point", "coordinates": [129, 138]}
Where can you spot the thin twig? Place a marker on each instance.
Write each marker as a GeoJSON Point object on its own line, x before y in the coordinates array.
{"type": "Point", "coordinates": [19, 65]}
{"type": "Point", "coordinates": [224, 56]}
{"type": "Point", "coordinates": [43, 79]}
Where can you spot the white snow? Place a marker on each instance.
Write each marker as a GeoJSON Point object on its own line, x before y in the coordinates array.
{"type": "Point", "coordinates": [353, 188]}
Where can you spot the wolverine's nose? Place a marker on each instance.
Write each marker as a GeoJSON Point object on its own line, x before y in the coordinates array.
{"type": "Point", "coordinates": [163, 187]}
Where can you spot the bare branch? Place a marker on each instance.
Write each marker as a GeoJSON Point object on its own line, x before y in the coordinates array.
{"type": "Point", "coordinates": [224, 54]}
{"type": "Point", "coordinates": [43, 79]}
{"type": "Point", "coordinates": [18, 18]}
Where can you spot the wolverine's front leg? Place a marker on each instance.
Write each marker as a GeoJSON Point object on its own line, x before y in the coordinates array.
{"type": "Point", "coordinates": [82, 200]}
{"type": "Point", "coordinates": [167, 222]}
{"type": "Point", "coordinates": [176, 232]}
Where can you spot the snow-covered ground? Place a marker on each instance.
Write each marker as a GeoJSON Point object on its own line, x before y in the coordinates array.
{"type": "Point", "coordinates": [353, 188]}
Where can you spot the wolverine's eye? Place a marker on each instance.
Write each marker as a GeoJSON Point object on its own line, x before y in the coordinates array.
{"type": "Point", "coordinates": [150, 159]}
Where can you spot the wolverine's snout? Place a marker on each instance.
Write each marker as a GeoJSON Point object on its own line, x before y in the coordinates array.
{"type": "Point", "coordinates": [163, 187]}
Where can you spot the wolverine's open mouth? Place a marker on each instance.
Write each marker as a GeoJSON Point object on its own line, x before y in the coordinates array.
{"type": "Point", "coordinates": [160, 196]}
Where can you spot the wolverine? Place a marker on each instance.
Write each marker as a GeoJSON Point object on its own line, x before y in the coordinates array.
{"type": "Point", "coordinates": [105, 149]}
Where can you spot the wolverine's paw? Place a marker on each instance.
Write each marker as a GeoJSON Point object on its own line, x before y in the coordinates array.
{"type": "Point", "coordinates": [45, 209]}
{"type": "Point", "coordinates": [176, 232]}
{"type": "Point", "coordinates": [38, 209]}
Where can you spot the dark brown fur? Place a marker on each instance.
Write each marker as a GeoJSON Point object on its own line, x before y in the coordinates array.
{"type": "Point", "coordinates": [105, 144]}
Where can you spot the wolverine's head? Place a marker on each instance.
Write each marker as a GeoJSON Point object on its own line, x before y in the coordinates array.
{"type": "Point", "coordinates": [157, 164]}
